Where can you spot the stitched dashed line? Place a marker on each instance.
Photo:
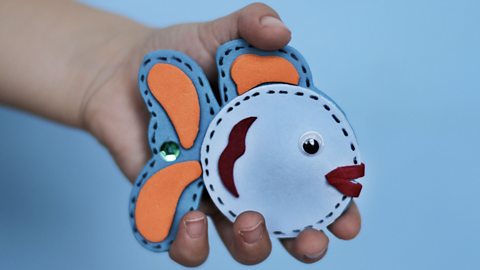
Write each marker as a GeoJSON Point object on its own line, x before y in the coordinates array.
{"type": "Point", "coordinates": [270, 92]}
{"type": "Point", "coordinates": [237, 48]}
{"type": "Point", "coordinates": [155, 151]}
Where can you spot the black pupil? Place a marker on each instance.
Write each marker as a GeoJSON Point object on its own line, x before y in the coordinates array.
{"type": "Point", "coordinates": [311, 146]}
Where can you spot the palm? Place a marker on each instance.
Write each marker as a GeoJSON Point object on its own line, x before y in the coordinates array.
{"type": "Point", "coordinates": [119, 121]}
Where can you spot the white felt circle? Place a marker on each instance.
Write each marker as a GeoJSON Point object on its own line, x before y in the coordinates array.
{"type": "Point", "coordinates": [273, 176]}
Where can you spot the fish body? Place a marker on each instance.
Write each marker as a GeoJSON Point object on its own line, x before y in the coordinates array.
{"type": "Point", "coordinates": [270, 142]}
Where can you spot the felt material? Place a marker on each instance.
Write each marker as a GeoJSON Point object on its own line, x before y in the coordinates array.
{"type": "Point", "coordinates": [235, 149]}
{"type": "Point", "coordinates": [250, 70]}
{"type": "Point", "coordinates": [160, 130]}
{"type": "Point", "coordinates": [157, 201]}
{"type": "Point", "coordinates": [341, 178]}
{"type": "Point", "coordinates": [275, 176]}
{"type": "Point", "coordinates": [266, 167]}
{"type": "Point", "coordinates": [176, 93]}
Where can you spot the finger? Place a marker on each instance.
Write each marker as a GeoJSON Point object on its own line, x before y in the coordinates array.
{"type": "Point", "coordinates": [190, 247]}
{"type": "Point", "coordinates": [257, 23]}
{"type": "Point", "coordinates": [247, 239]}
{"type": "Point", "coordinates": [309, 246]}
{"type": "Point", "coordinates": [347, 226]}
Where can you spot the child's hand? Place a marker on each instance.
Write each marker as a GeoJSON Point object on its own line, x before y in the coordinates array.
{"type": "Point", "coordinates": [117, 116]}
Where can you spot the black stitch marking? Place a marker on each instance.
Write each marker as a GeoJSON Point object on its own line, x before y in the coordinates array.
{"type": "Point", "coordinates": [296, 231]}
{"type": "Point", "coordinates": [153, 138]}
{"type": "Point", "coordinates": [211, 111]}
{"type": "Point", "coordinates": [200, 81]}
{"type": "Point", "coordinates": [144, 175]}
{"type": "Point", "coordinates": [294, 56]}
{"type": "Point", "coordinates": [194, 198]}
{"type": "Point", "coordinates": [345, 132]}
{"type": "Point", "coordinates": [177, 59]}
{"type": "Point", "coordinates": [271, 92]}
{"type": "Point", "coordinates": [314, 97]}
{"type": "Point", "coordinates": [255, 94]}
{"type": "Point", "coordinates": [142, 78]}
{"type": "Point", "coordinates": [219, 120]}
{"type": "Point", "coordinates": [282, 51]}
{"type": "Point", "coordinates": [158, 246]}
{"type": "Point", "coordinates": [145, 92]}
{"type": "Point", "coordinates": [147, 61]}
{"type": "Point", "coordinates": [355, 160]}
{"type": "Point", "coordinates": [225, 89]}
{"type": "Point", "coordinates": [191, 208]}
{"type": "Point", "coordinates": [212, 133]}
{"type": "Point", "coordinates": [236, 103]}
{"type": "Point", "coordinates": [337, 205]}
{"type": "Point", "coordinates": [278, 232]}
{"type": "Point", "coordinates": [308, 227]}
{"type": "Point", "coordinates": [238, 48]}
{"type": "Point", "coordinates": [135, 230]}
{"type": "Point", "coordinates": [131, 215]}
{"type": "Point", "coordinates": [149, 103]}
{"type": "Point", "coordinates": [232, 213]}
{"type": "Point", "coordinates": [282, 92]}
{"type": "Point", "coordinates": [155, 126]}
{"type": "Point", "coordinates": [207, 172]}
{"type": "Point", "coordinates": [352, 147]}
{"type": "Point", "coordinates": [200, 184]}
{"type": "Point", "coordinates": [329, 215]}
{"type": "Point", "coordinates": [220, 200]}
{"type": "Point", "coordinates": [299, 94]}
{"type": "Point", "coordinates": [211, 187]}
{"type": "Point", "coordinates": [134, 199]}
{"type": "Point", "coordinates": [227, 52]}
{"type": "Point", "coordinates": [226, 98]}
{"type": "Point", "coordinates": [335, 118]}
{"type": "Point", "coordinates": [206, 161]}
{"type": "Point", "coordinates": [344, 198]}
{"type": "Point", "coordinates": [144, 242]}
{"type": "Point", "coordinates": [162, 58]}
{"type": "Point", "coordinates": [207, 98]}
{"type": "Point", "coordinates": [189, 66]}
{"type": "Point", "coordinates": [222, 73]}
{"type": "Point", "coordinates": [230, 109]}
{"type": "Point", "coordinates": [154, 114]}
{"type": "Point", "coordinates": [207, 148]}
{"type": "Point", "coordinates": [246, 98]}
{"type": "Point", "coordinates": [326, 107]}
{"type": "Point", "coordinates": [320, 221]}
{"type": "Point", "coordinates": [152, 164]}
{"type": "Point", "coordinates": [250, 46]}
{"type": "Point", "coordinates": [220, 61]}
{"type": "Point", "coordinates": [308, 82]}
{"type": "Point", "coordinates": [304, 70]}
{"type": "Point", "coordinates": [155, 151]}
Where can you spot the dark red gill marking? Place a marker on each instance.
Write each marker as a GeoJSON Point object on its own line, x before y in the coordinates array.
{"type": "Point", "coordinates": [341, 179]}
{"type": "Point", "coordinates": [233, 151]}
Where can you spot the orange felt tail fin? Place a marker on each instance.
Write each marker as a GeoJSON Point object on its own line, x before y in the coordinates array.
{"type": "Point", "coordinates": [157, 200]}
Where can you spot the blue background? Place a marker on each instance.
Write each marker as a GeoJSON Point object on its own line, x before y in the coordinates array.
{"type": "Point", "coordinates": [405, 72]}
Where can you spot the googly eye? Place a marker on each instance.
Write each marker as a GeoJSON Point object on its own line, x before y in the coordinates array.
{"type": "Point", "coordinates": [310, 143]}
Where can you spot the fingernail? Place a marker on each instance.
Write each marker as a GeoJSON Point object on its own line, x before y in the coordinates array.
{"type": "Point", "coordinates": [270, 21]}
{"type": "Point", "coordinates": [315, 256]}
{"type": "Point", "coordinates": [252, 234]}
{"type": "Point", "coordinates": [195, 226]}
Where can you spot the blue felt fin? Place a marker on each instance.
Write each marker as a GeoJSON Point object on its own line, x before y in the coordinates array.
{"type": "Point", "coordinates": [161, 130]}
{"type": "Point", "coordinates": [230, 51]}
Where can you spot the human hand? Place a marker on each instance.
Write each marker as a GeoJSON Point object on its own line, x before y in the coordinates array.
{"type": "Point", "coordinates": [115, 114]}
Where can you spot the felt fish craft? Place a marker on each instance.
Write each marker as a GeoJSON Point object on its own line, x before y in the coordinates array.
{"type": "Point", "coordinates": [270, 142]}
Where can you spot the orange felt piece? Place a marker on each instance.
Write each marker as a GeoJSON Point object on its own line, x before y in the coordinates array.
{"type": "Point", "coordinates": [158, 199]}
{"type": "Point", "coordinates": [174, 90]}
{"type": "Point", "coordinates": [250, 70]}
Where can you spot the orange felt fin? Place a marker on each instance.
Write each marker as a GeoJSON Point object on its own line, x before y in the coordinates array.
{"type": "Point", "coordinates": [176, 93]}
{"type": "Point", "coordinates": [158, 199]}
{"type": "Point", "coordinates": [250, 70]}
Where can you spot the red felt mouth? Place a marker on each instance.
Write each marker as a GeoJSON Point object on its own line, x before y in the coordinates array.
{"type": "Point", "coordinates": [341, 179]}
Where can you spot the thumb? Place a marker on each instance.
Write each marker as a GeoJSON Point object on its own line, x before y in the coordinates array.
{"type": "Point", "coordinates": [257, 23]}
